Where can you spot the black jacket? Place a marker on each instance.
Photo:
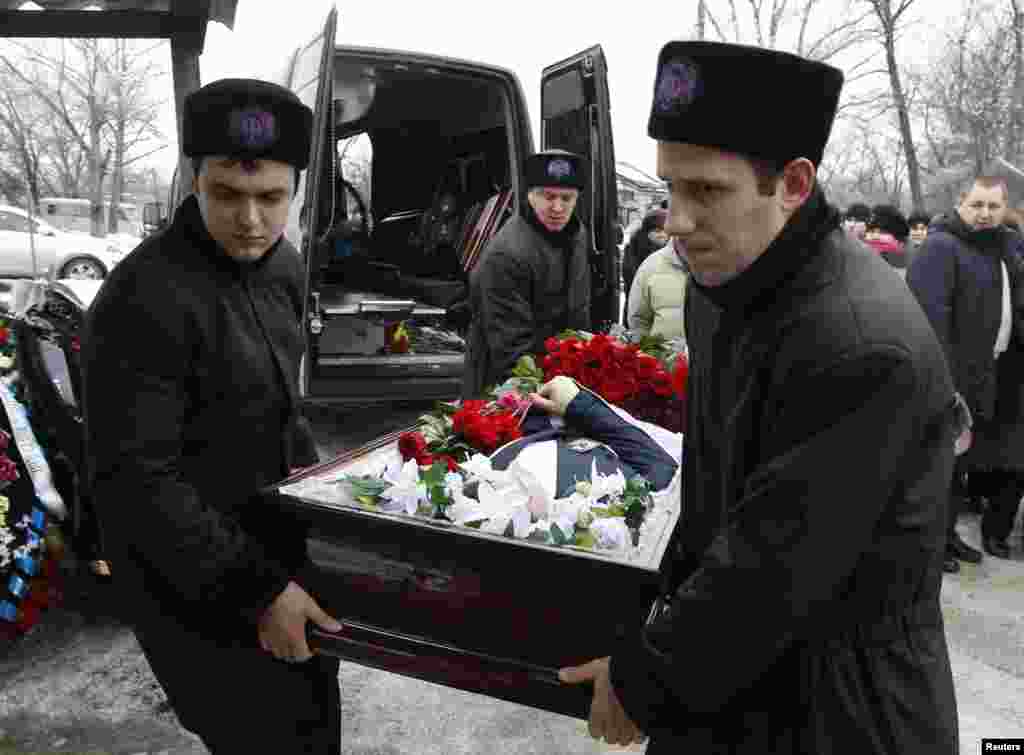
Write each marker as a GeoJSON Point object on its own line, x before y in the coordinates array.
{"type": "Point", "coordinates": [523, 291]}
{"type": "Point", "coordinates": [956, 277]}
{"type": "Point", "coordinates": [190, 364]}
{"type": "Point", "coordinates": [819, 450]}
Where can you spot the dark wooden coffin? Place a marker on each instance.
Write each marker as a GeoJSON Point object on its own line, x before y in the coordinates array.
{"type": "Point", "coordinates": [479, 612]}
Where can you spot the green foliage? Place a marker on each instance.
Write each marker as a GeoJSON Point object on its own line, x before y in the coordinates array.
{"type": "Point", "coordinates": [584, 539]}
{"type": "Point", "coordinates": [559, 537]}
{"type": "Point", "coordinates": [366, 487]}
{"type": "Point", "coordinates": [433, 479]}
{"type": "Point", "coordinates": [635, 500]}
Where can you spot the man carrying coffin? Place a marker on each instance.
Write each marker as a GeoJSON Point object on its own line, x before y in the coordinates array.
{"type": "Point", "coordinates": [191, 362]}
{"type": "Point", "coordinates": [533, 280]}
{"type": "Point", "coordinates": [804, 613]}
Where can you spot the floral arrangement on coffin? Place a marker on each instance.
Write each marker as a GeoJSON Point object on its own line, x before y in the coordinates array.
{"type": "Point", "coordinates": [604, 513]}
{"type": "Point", "coordinates": [445, 472]}
{"type": "Point", "coordinates": [645, 375]}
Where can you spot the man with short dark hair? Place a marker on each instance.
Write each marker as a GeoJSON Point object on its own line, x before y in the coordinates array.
{"type": "Point", "coordinates": [191, 362]}
{"type": "Point", "coordinates": [804, 614]}
{"type": "Point", "coordinates": [533, 279]}
{"type": "Point", "coordinates": [966, 276]}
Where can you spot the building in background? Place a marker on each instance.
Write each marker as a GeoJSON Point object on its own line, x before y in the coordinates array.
{"type": "Point", "coordinates": [638, 191]}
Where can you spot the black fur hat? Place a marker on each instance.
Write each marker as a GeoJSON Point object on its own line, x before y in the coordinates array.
{"type": "Point", "coordinates": [706, 93]}
{"type": "Point", "coordinates": [555, 167]}
{"type": "Point", "coordinates": [247, 119]}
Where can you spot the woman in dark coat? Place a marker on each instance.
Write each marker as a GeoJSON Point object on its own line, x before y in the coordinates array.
{"type": "Point", "coordinates": [887, 233]}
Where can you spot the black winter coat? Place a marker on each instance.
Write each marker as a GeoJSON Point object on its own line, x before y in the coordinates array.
{"type": "Point", "coordinates": [523, 291]}
{"type": "Point", "coordinates": [819, 450]}
{"type": "Point", "coordinates": [190, 365]}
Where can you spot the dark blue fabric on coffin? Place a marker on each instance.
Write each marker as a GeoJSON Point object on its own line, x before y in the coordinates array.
{"type": "Point", "coordinates": [625, 447]}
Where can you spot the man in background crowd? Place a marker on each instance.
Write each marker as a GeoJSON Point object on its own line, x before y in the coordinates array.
{"type": "Point", "coordinates": [961, 277]}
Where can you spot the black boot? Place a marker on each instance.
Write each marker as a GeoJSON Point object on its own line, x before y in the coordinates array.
{"type": "Point", "coordinates": [960, 550]}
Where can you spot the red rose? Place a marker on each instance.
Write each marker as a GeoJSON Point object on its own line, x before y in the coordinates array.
{"type": "Point", "coordinates": [412, 445]}
{"type": "Point", "coordinates": [5, 440]}
{"type": "Point", "coordinates": [5, 334]}
{"type": "Point", "coordinates": [646, 366]}
{"type": "Point", "coordinates": [551, 345]}
{"type": "Point", "coordinates": [452, 465]}
{"type": "Point", "coordinates": [76, 344]}
{"type": "Point", "coordinates": [8, 470]}
{"type": "Point", "coordinates": [425, 459]}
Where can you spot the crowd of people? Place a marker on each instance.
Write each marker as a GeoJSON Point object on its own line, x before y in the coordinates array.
{"type": "Point", "coordinates": [964, 267]}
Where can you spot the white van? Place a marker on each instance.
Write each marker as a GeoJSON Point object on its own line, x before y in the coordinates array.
{"type": "Point", "coordinates": [69, 214]}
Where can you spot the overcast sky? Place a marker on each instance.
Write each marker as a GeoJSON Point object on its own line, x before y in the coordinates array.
{"type": "Point", "coordinates": [533, 35]}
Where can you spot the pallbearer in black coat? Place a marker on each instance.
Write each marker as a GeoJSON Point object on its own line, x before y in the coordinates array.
{"type": "Point", "coordinates": [805, 614]}
{"type": "Point", "coordinates": [533, 279]}
{"type": "Point", "coordinates": [191, 362]}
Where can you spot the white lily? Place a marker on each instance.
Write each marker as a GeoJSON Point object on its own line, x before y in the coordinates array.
{"type": "Point", "coordinates": [611, 533]}
{"type": "Point", "coordinates": [477, 466]}
{"type": "Point", "coordinates": [406, 490]}
{"type": "Point", "coordinates": [539, 501]}
{"type": "Point", "coordinates": [612, 486]}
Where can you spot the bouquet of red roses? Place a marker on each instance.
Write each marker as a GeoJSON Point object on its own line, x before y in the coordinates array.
{"type": "Point", "coordinates": [646, 378]}
{"type": "Point", "coordinates": [454, 432]}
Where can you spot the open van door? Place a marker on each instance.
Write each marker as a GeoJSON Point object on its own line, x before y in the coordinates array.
{"type": "Point", "coordinates": [309, 73]}
{"type": "Point", "coordinates": [576, 116]}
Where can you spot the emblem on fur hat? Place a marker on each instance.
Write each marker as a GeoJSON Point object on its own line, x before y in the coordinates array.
{"type": "Point", "coordinates": [678, 85]}
{"type": "Point", "coordinates": [253, 129]}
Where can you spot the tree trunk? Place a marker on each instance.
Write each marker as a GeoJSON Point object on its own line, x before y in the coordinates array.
{"type": "Point", "coordinates": [96, 170]}
{"type": "Point", "coordinates": [117, 184]}
{"type": "Point", "coordinates": [906, 132]}
{"type": "Point", "coordinates": [1016, 130]}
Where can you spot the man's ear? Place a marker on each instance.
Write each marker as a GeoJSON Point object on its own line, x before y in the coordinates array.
{"type": "Point", "coordinates": [798, 179]}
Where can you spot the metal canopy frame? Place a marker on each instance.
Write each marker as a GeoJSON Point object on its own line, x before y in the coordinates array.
{"type": "Point", "coordinates": [183, 22]}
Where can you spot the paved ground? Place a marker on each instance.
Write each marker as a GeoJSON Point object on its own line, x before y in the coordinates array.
{"type": "Point", "coordinates": [79, 684]}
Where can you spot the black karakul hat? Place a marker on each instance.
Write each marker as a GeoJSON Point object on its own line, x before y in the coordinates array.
{"type": "Point", "coordinates": [555, 167]}
{"type": "Point", "coordinates": [247, 119]}
{"type": "Point", "coordinates": [721, 95]}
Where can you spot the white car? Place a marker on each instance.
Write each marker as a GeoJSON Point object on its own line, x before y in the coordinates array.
{"type": "Point", "coordinates": [58, 254]}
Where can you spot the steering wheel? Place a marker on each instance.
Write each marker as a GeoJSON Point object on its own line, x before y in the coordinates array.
{"type": "Point", "coordinates": [364, 222]}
